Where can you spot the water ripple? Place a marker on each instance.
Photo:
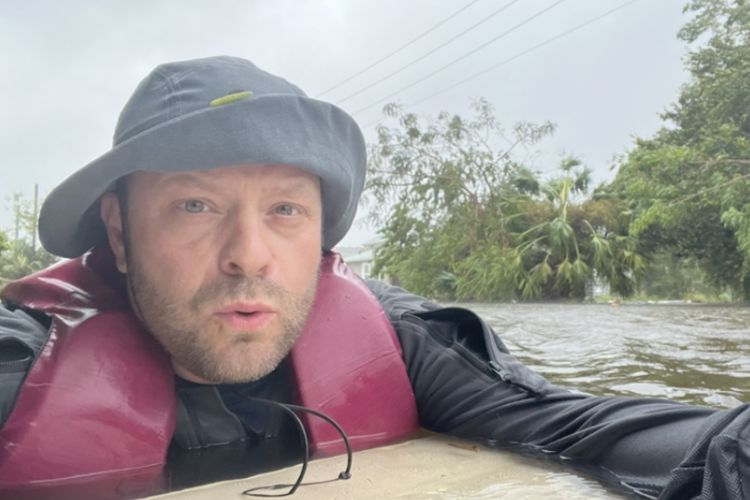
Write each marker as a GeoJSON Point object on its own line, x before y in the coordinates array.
{"type": "Point", "coordinates": [697, 354]}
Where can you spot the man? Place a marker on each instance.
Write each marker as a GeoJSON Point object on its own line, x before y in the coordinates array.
{"type": "Point", "coordinates": [207, 220]}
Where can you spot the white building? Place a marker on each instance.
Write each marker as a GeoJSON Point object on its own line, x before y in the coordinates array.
{"type": "Point", "coordinates": [361, 259]}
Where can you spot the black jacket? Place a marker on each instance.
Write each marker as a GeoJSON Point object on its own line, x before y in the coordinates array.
{"type": "Point", "coordinates": [468, 385]}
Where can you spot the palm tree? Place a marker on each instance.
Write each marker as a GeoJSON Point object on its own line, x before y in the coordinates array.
{"type": "Point", "coordinates": [563, 253]}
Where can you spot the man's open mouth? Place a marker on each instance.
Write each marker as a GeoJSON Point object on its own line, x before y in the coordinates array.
{"type": "Point", "coordinates": [245, 316]}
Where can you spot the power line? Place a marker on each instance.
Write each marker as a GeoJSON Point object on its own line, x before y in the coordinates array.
{"type": "Point", "coordinates": [414, 61]}
{"type": "Point", "coordinates": [514, 57]}
{"type": "Point", "coordinates": [464, 56]}
{"type": "Point", "coordinates": [523, 53]}
{"type": "Point", "coordinates": [407, 44]}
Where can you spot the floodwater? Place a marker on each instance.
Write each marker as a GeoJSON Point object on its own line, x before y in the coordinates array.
{"type": "Point", "coordinates": [693, 353]}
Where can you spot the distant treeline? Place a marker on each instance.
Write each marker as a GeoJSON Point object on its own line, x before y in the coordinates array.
{"type": "Point", "coordinates": [464, 218]}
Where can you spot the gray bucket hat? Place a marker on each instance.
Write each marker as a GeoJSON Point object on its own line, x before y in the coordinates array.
{"type": "Point", "coordinates": [209, 113]}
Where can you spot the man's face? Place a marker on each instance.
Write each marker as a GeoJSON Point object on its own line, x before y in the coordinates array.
{"type": "Point", "coordinates": [221, 264]}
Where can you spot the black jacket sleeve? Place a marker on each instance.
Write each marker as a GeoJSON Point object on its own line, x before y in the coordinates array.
{"type": "Point", "coordinates": [467, 384]}
{"type": "Point", "coordinates": [22, 336]}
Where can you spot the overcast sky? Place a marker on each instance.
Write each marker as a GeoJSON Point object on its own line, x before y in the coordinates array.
{"type": "Point", "coordinates": [67, 67]}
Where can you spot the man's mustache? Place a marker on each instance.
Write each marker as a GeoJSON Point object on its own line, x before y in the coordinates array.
{"type": "Point", "coordinates": [236, 289]}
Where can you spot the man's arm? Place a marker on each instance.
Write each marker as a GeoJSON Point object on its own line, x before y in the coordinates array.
{"type": "Point", "coordinates": [22, 337]}
{"type": "Point", "coordinates": [466, 386]}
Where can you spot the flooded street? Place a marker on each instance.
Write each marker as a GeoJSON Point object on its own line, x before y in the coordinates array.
{"type": "Point", "coordinates": [697, 354]}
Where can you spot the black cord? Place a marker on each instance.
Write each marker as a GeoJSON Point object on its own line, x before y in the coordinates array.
{"type": "Point", "coordinates": [305, 442]}
{"type": "Point", "coordinates": [290, 409]}
{"type": "Point", "coordinates": [348, 472]}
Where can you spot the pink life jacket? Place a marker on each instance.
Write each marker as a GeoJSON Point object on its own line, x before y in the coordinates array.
{"type": "Point", "coordinates": [99, 399]}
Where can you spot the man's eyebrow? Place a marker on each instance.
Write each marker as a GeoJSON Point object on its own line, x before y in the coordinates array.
{"type": "Point", "coordinates": [301, 185]}
{"type": "Point", "coordinates": [291, 186]}
{"type": "Point", "coordinates": [187, 178]}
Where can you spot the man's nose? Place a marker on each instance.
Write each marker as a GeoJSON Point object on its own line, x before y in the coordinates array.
{"type": "Point", "coordinates": [246, 250]}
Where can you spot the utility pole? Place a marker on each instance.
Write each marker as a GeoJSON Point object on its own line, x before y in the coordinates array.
{"type": "Point", "coordinates": [35, 216]}
{"type": "Point", "coordinates": [17, 210]}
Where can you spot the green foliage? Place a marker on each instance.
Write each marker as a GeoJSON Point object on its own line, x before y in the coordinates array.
{"type": "Point", "coordinates": [464, 218]}
{"type": "Point", "coordinates": [20, 259]}
{"type": "Point", "coordinates": [489, 272]}
{"type": "Point", "coordinates": [712, 114]}
{"type": "Point", "coordinates": [19, 256]}
{"type": "Point", "coordinates": [688, 186]}
{"type": "Point", "coordinates": [674, 278]}
{"type": "Point", "coordinates": [24, 218]}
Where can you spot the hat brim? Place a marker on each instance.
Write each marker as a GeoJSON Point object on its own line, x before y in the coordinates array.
{"type": "Point", "coordinates": [312, 135]}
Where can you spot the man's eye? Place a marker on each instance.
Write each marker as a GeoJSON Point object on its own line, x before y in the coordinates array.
{"type": "Point", "coordinates": [286, 209]}
{"type": "Point", "coordinates": [194, 206]}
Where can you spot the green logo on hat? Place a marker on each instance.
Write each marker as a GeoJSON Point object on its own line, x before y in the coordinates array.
{"type": "Point", "coordinates": [235, 96]}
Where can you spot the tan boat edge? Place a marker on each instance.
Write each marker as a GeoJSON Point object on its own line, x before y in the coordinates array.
{"type": "Point", "coordinates": [429, 467]}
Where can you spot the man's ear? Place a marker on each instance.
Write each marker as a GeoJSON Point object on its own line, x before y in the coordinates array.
{"type": "Point", "coordinates": [109, 211]}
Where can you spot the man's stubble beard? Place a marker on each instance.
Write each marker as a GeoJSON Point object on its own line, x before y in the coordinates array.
{"type": "Point", "coordinates": [169, 321]}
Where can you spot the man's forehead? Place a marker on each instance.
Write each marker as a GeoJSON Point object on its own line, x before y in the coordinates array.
{"type": "Point", "coordinates": [282, 175]}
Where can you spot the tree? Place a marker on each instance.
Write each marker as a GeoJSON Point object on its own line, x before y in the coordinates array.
{"type": "Point", "coordinates": [20, 259]}
{"type": "Point", "coordinates": [24, 217]}
{"type": "Point", "coordinates": [20, 256]}
{"type": "Point", "coordinates": [447, 190]}
{"type": "Point", "coordinates": [463, 217]}
{"type": "Point", "coordinates": [3, 242]}
{"type": "Point", "coordinates": [688, 185]}
{"type": "Point", "coordinates": [578, 241]}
